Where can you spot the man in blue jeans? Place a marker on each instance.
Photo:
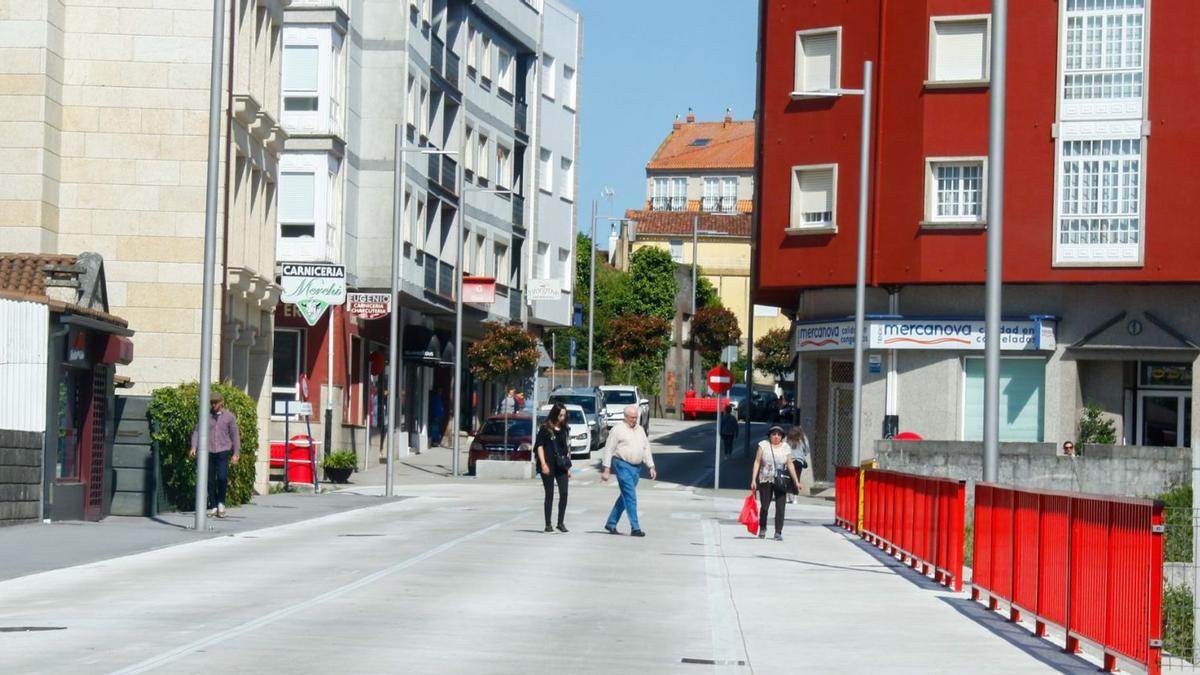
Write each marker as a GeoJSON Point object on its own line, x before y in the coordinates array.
{"type": "Point", "coordinates": [627, 449]}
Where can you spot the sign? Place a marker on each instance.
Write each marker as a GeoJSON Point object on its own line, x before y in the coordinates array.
{"type": "Point", "coordinates": [304, 386]}
{"type": "Point", "coordinates": [729, 354]}
{"type": "Point", "coordinates": [720, 379]}
{"type": "Point", "coordinates": [572, 352]}
{"type": "Point", "coordinates": [958, 334]}
{"type": "Point", "coordinates": [369, 305]}
{"type": "Point", "coordinates": [823, 336]}
{"type": "Point", "coordinates": [543, 289]}
{"type": "Point", "coordinates": [313, 287]}
{"type": "Point", "coordinates": [874, 363]}
{"type": "Point", "coordinates": [290, 408]}
{"type": "Point", "coordinates": [479, 290]}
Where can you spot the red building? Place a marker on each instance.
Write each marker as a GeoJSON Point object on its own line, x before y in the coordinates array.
{"type": "Point", "coordinates": [1099, 232]}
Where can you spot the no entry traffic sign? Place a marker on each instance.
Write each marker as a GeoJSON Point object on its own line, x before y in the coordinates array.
{"type": "Point", "coordinates": [720, 379]}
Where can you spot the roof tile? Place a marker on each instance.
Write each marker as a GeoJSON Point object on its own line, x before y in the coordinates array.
{"type": "Point", "coordinates": [680, 222]}
{"type": "Point", "coordinates": [730, 146]}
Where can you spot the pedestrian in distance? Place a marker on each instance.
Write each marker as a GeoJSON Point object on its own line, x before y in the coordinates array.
{"type": "Point", "coordinates": [554, 462]}
{"type": "Point", "coordinates": [224, 448]}
{"type": "Point", "coordinates": [625, 453]}
{"type": "Point", "coordinates": [1068, 448]}
{"type": "Point", "coordinates": [797, 440]}
{"type": "Point", "coordinates": [508, 405]}
{"type": "Point", "coordinates": [437, 414]}
{"type": "Point", "coordinates": [769, 477]}
{"type": "Point", "coordinates": [728, 430]}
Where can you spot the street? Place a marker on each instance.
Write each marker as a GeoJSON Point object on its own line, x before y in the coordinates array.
{"type": "Point", "coordinates": [459, 577]}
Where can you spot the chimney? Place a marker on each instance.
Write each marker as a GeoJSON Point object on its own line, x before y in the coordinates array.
{"type": "Point", "coordinates": [728, 117]}
{"type": "Point", "coordinates": [676, 124]}
{"type": "Point", "coordinates": [691, 116]}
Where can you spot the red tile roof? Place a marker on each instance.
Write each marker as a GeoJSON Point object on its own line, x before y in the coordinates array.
{"type": "Point", "coordinates": [23, 277]}
{"type": "Point", "coordinates": [730, 146]}
{"type": "Point", "coordinates": [680, 222]}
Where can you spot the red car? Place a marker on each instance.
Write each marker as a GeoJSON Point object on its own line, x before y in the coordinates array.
{"type": "Point", "coordinates": [490, 443]}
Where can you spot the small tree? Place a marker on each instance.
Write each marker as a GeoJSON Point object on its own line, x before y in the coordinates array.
{"type": "Point", "coordinates": [632, 337]}
{"type": "Point", "coordinates": [773, 353]}
{"type": "Point", "coordinates": [651, 283]}
{"type": "Point", "coordinates": [506, 355]}
{"type": "Point", "coordinates": [713, 329]}
{"type": "Point", "coordinates": [1094, 428]}
{"type": "Point", "coordinates": [706, 293]}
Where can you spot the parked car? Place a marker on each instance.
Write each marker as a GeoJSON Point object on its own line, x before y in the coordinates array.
{"type": "Point", "coordinates": [592, 402]}
{"type": "Point", "coordinates": [617, 396]}
{"type": "Point", "coordinates": [489, 442]}
{"type": "Point", "coordinates": [758, 405]}
{"type": "Point", "coordinates": [578, 432]}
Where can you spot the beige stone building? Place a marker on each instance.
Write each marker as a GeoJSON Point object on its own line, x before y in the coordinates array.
{"type": "Point", "coordinates": [103, 123]}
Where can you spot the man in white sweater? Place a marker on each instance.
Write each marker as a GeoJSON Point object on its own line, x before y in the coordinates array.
{"type": "Point", "coordinates": [627, 449]}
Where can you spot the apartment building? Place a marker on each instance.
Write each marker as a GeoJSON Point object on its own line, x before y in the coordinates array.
{"type": "Point", "coordinates": [103, 123]}
{"type": "Point", "coordinates": [457, 79]}
{"type": "Point", "coordinates": [1100, 284]}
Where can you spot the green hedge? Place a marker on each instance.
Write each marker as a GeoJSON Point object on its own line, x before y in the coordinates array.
{"type": "Point", "coordinates": [173, 410]}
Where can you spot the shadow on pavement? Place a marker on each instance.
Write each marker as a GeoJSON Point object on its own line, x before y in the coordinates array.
{"type": "Point", "coordinates": [690, 459]}
{"type": "Point", "coordinates": [1020, 637]}
{"type": "Point", "coordinates": [904, 571]}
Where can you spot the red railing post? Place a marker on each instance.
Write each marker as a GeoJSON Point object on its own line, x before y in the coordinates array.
{"type": "Point", "coordinates": [1155, 591]}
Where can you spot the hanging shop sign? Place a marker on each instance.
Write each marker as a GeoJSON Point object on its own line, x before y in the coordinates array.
{"type": "Point", "coordinates": [369, 305]}
{"type": "Point", "coordinates": [313, 287]}
{"type": "Point", "coordinates": [543, 289]}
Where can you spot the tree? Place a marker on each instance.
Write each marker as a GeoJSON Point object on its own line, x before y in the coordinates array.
{"type": "Point", "coordinates": [713, 329]}
{"type": "Point", "coordinates": [1095, 428]}
{"type": "Point", "coordinates": [632, 338]}
{"type": "Point", "coordinates": [506, 355]}
{"type": "Point", "coordinates": [773, 353]}
{"type": "Point", "coordinates": [706, 293]}
{"type": "Point", "coordinates": [651, 283]}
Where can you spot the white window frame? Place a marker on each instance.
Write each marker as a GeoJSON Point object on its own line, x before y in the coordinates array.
{"type": "Point", "coordinates": [543, 260]}
{"type": "Point", "coordinates": [548, 76]}
{"type": "Point", "coordinates": [932, 219]}
{"type": "Point", "coordinates": [506, 66]}
{"type": "Point", "coordinates": [284, 219]}
{"type": "Point", "coordinates": [711, 199]}
{"type": "Point", "coordinates": [301, 337]}
{"type": "Point", "coordinates": [469, 144]}
{"type": "Point", "coordinates": [933, 81]}
{"type": "Point", "coordinates": [546, 171]}
{"type": "Point", "coordinates": [480, 268]}
{"type": "Point", "coordinates": [799, 90]}
{"type": "Point", "coordinates": [569, 90]}
{"type": "Point", "coordinates": [472, 51]}
{"type": "Point", "coordinates": [500, 262]}
{"type": "Point", "coordinates": [485, 62]}
{"type": "Point", "coordinates": [799, 227]}
{"type": "Point", "coordinates": [567, 166]}
{"type": "Point", "coordinates": [423, 111]}
{"type": "Point", "coordinates": [728, 182]}
{"type": "Point", "coordinates": [678, 200]}
{"type": "Point", "coordinates": [411, 113]}
{"type": "Point", "coordinates": [660, 194]}
{"type": "Point", "coordinates": [483, 171]}
{"type": "Point", "coordinates": [568, 270]}
{"type": "Point", "coordinates": [503, 166]}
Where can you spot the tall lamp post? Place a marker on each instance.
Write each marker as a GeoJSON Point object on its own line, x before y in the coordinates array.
{"type": "Point", "coordinates": [394, 317]}
{"type": "Point", "coordinates": [995, 241]}
{"type": "Point", "coordinates": [606, 193]}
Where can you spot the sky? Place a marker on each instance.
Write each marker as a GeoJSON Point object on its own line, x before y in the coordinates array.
{"type": "Point", "coordinates": [644, 61]}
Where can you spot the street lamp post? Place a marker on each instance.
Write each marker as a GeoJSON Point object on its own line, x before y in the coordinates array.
{"type": "Point", "coordinates": [607, 192]}
{"type": "Point", "coordinates": [860, 282]}
{"type": "Point", "coordinates": [995, 241]}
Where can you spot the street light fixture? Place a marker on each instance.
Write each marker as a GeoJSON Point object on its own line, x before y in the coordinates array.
{"type": "Point", "coordinates": [394, 319]}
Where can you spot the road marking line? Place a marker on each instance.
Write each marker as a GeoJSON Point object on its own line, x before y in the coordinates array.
{"type": "Point", "coordinates": [722, 612]}
{"type": "Point", "coordinates": [267, 619]}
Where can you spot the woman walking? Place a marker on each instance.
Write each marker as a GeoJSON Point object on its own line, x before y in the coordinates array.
{"type": "Point", "coordinates": [773, 461]}
{"type": "Point", "coordinates": [554, 462]}
{"type": "Point", "coordinates": [797, 440]}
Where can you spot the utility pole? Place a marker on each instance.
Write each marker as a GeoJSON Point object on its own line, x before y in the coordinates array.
{"type": "Point", "coordinates": [692, 321]}
{"type": "Point", "coordinates": [995, 242]}
{"type": "Point", "coordinates": [591, 292]}
{"type": "Point", "coordinates": [860, 283]}
{"type": "Point", "coordinates": [394, 315]}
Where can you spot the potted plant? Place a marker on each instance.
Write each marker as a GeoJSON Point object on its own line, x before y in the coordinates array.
{"type": "Point", "coordinates": [339, 465]}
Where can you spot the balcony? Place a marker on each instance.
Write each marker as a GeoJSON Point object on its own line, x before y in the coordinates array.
{"type": "Point", "coordinates": [518, 210]}
{"type": "Point", "coordinates": [449, 174]}
{"type": "Point", "coordinates": [668, 204]}
{"type": "Point", "coordinates": [718, 204]}
{"type": "Point", "coordinates": [438, 55]}
{"type": "Point", "coordinates": [521, 119]}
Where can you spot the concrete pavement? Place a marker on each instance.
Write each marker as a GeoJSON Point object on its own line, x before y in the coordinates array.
{"type": "Point", "coordinates": [460, 578]}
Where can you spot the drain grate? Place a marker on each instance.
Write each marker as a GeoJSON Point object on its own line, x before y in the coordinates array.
{"type": "Point", "coordinates": [360, 535]}
{"type": "Point", "coordinates": [713, 662]}
{"type": "Point", "coordinates": [29, 629]}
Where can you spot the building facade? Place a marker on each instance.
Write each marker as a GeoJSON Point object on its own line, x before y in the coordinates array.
{"type": "Point", "coordinates": [1097, 274]}
{"type": "Point", "coordinates": [103, 126]}
{"type": "Point", "coordinates": [461, 81]}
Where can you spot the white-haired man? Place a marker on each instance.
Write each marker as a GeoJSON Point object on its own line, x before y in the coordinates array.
{"type": "Point", "coordinates": [627, 449]}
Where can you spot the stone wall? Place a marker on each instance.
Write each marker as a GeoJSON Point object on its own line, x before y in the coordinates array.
{"type": "Point", "coordinates": [1125, 470]}
{"type": "Point", "coordinates": [20, 477]}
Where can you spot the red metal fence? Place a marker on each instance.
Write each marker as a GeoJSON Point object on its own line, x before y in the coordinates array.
{"type": "Point", "coordinates": [919, 519]}
{"type": "Point", "coordinates": [1091, 565]}
{"type": "Point", "coordinates": [846, 496]}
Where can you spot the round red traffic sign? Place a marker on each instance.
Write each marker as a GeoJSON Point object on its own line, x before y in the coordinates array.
{"type": "Point", "coordinates": [720, 379]}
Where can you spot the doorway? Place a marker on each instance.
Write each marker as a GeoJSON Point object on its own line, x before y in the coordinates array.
{"type": "Point", "coordinates": [1165, 418]}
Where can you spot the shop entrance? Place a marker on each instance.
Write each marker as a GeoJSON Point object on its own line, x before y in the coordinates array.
{"type": "Point", "coordinates": [1164, 404]}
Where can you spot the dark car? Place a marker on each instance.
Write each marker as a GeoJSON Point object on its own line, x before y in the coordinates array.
{"type": "Point", "coordinates": [490, 441]}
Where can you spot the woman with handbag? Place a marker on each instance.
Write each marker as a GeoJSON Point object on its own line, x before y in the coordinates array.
{"type": "Point", "coordinates": [773, 477]}
{"type": "Point", "coordinates": [554, 462]}
{"type": "Point", "coordinates": [798, 442]}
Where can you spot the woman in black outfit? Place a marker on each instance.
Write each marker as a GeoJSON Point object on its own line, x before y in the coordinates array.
{"type": "Point", "coordinates": [554, 462]}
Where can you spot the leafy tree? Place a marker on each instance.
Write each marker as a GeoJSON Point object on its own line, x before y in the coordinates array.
{"type": "Point", "coordinates": [506, 355]}
{"type": "Point", "coordinates": [1095, 428]}
{"type": "Point", "coordinates": [773, 353]}
{"type": "Point", "coordinates": [706, 293]}
{"type": "Point", "coordinates": [713, 329]}
{"type": "Point", "coordinates": [651, 283]}
{"type": "Point", "coordinates": [633, 337]}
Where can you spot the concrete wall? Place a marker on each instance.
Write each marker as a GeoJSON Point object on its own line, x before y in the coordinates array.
{"type": "Point", "coordinates": [20, 477]}
{"type": "Point", "coordinates": [1130, 471]}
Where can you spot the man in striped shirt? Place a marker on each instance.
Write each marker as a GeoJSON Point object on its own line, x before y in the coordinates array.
{"type": "Point", "coordinates": [223, 441]}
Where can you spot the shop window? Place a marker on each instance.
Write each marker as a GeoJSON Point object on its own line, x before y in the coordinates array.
{"type": "Point", "coordinates": [287, 363]}
{"type": "Point", "coordinates": [1022, 399]}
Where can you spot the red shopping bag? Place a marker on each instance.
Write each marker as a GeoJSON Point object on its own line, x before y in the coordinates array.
{"type": "Point", "coordinates": [749, 516]}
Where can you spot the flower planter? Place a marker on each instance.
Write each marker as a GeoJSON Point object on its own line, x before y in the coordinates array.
{"type": "Point", "coordinates": [338, 475]}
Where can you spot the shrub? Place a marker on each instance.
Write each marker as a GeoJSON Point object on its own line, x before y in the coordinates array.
{"type": "Point", "coordinates": [1177, 621]}
{"type": "Point", "coordinates": [1177, 547]}
{"type": "Point", "coordinates": [1095, 428]}
{"type": "Point", "coordinates": [173, 412]}
{"type": "Point", "coordinates": [340, 459]}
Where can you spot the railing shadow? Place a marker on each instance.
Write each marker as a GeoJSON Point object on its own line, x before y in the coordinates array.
{"type": "Point", "coordinates": [1045, 651]}
{"type": "Point", "coordinates": [903, 571]}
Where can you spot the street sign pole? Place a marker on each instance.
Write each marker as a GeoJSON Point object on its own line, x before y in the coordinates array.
{"type": "Point", "coordinates": [720, 380]}
{"type": "Point", "coordinates": [717, 451]}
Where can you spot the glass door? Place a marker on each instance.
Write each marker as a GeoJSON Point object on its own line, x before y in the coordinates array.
{"type": "Point", "coordinates": [1165, 418]}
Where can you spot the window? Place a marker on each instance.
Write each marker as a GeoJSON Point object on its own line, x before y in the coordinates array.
{"type": "Point", "coordinates": [1104, 49]}
{"type": "Point", "coordinates": [545, 171]}
{"type": "Point", "coordinates": [300, 68]}
{"type": "Point", "coordinates": [1099, 214]}
{"type": "Point", "coordinates": [485, 62]}
{"type": "Point", "coordinates": [297, 196]}
{"type": "Point", "coordinates": [1022, 383]}
{"type": "Point", "coordinates": [543, 260]}
{"type": "Point", "coordinates": [720, 194]}
{"type": "Point", "coordinates": [712, 194]}
{"type": "Point", "coordinates": [286, 367]}
{"type": "Point", "coordinates": [472, 51]}
{"type": "Point", "coordinates": [426, 12]}
{"type": "Point", "coordinates": [676, 250]}
{"type": "Point", "coordinates": [661, 196]}
{"type": "Point", "coordinates": [410, 113]}
{"type": "Point", "coordinates": [504, 74]}
{"type": "Point", "coordinates": [678, 194]}
{"type": "Point", "coordinates": [503, 166]}
{"type": "Point", "coordinates": [958, 49]}
{"type": "Point", "coordinates": [548, 76]}
{"type": "Point", "coordinates": [568, 77]}
{"type": "Point", "coordinates": [500, 263]}
{"type": "Point", "coordinates": [480, 260]}
{"type": "Point", "coordinates": [568, 179]}
{"type": "Point", "coordinates": [955, 190]}
{"type": "Point", "coordinates": [469, 155]}
{"type": "Point", "coordinates": [484, 168]}
{"type": "Point", "coordinates": [568, 271]}
{"type": "Point", "coordinates": [423, 127]}
{"type": "Point", "coordinates": [729, 194]}
{"type": "Point", "coordinates": [818, 66]}
{"type": "Point", "coordinates": [814, 192]}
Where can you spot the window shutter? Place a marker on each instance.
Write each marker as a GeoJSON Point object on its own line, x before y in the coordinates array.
{"type": "Point", "coordinates": [816, 192]}
{"type": "Point", "coordinates": [300, 67]}
{"type": "Point", "coordinates": [296, 197]}
{"type": "Point", "coordinates": [820, 61]}
{"type": "Point", "coordinates": [960, 50]}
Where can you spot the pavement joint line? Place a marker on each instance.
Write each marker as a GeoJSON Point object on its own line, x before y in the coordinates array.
{"type": "Point", "coordinates": [724, 618]}
{"type": "Point", "coordinates": [272, 617]}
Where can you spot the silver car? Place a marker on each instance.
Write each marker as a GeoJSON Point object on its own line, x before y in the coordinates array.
{"type": "Point", "coordinates": [592, 402]}
{"type": "Point", "coordinates": [617, 396]}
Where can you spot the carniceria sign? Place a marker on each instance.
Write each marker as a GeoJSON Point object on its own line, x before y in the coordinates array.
{"type": "Point", "coordinates": [313, 287]}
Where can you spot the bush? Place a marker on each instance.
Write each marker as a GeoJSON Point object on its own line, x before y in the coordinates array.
{"type": "Point", "coordinates": [173, 412]}
{"type": "Point", "coordinates": [1177, 621]}
{"type": "Point", "coordinates": [1177, 546]}
{"type": "Point", "coordinates": [340, 459]}
{"type": "Point", "coordinates": [1094, 428]}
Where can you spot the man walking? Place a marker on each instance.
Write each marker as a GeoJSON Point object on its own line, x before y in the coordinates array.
{"type": "Point", "coordinates": [627, 449]}
{"type": "Point", "coordinates": [223, 441]}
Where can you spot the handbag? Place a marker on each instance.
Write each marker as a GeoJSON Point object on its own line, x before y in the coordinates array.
{"type": "Point", "coordinates": [783, 481]}
{"type": "Point", "coordinates": [562, 461]}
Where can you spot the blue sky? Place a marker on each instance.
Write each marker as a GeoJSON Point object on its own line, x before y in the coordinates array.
{"type": "Point", "coordinates": [643, 62]}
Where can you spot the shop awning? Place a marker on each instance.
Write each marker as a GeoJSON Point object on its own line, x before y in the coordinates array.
{"type": "Point", "coordinates": [421, 346]}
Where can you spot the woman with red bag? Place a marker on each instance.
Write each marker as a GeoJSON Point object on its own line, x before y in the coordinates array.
{"type": "Point", "coordinates": [773, 477]}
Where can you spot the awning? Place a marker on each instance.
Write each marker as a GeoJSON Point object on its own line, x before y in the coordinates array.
{"type": "Point", "coordinates": [421, 346]}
